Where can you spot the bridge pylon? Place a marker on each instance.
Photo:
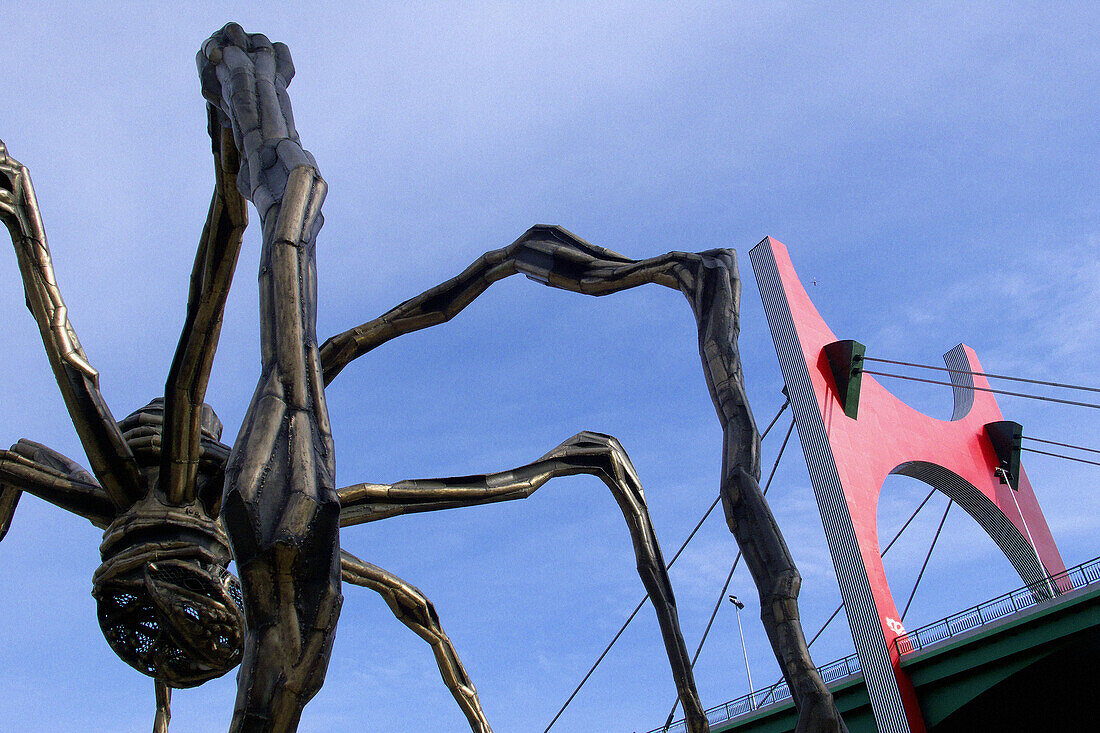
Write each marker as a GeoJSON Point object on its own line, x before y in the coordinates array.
{"type": "Point", "coordinates": [854, 434]}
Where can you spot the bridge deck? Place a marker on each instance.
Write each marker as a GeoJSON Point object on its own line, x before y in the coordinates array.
{"type": "Point", "coordinates": [1012, 663]}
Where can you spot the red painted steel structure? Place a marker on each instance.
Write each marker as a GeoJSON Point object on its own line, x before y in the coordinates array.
{"type": "Point", "coordinates": [889, 437]}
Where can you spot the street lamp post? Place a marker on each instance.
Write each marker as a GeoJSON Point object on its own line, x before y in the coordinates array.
{"type": "Point", "coordinates": [739, 605]}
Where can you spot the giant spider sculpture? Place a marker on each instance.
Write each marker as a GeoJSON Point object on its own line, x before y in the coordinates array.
{"type": "Point", "coordinates": [176, 505]}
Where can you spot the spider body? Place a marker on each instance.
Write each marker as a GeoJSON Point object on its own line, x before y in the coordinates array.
{"type": "Point", "coordinates": [166, 602]}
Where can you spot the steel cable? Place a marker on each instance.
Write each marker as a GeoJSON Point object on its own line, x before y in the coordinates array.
{"type": "Point", "coordinates": [641, 603]}
{"type": "Point", "coordinates": [1059, 455]}
{"type": "Point", "coordinates": [982, 374]}
{"type": "Point", "coordinates": [729, 577]}
{"type": "Point", "coordinates": [1063, 445]}
{"type": "Point", "coordinates": [838, 608]}
{"type": "Point", "coordinates": [986, 389]}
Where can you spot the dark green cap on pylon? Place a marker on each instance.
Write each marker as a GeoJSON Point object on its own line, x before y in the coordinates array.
{"type": "Point", "coordinates": [1006, 435]}
{"type": "Point", "coordinates": [846, 363]}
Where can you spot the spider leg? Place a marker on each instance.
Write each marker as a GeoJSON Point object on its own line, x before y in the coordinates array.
{"type": "Point", "coordinates": [164, 707]}
{"type": "Point", "coordinates": [585, 453]}
{"type": "Point", "coordinates": [110, 457]}
{"type": "Point", "coordinates": [211, 278]}
{"type": "Point", "coordinates": [712, 286]}
{"type": "Point", "coordinates": [412, 608]}
{"type": "Point", "coordinates": [9, 499]}
{"type": "Point", "coordinates": [548, 254]}
{"type": "Point", "coordinates": [47, 474]}
{"type": "Point", "coordinates": [280, 506]}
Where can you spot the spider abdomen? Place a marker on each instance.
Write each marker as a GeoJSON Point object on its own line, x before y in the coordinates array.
{"type": "Point", "coordinates": [167, 605]}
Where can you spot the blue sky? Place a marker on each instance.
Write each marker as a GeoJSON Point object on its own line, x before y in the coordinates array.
{"type": "Point", "coordinates": [933, 168]}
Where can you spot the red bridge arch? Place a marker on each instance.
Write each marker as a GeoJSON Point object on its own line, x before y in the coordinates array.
{"type": "Point", "coordinates": [849, 459]}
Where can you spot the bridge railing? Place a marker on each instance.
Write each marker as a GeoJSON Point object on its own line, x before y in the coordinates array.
{"type": "Point", "coordinates": [767, 696]}
{"type": "Point", "coordinates": [1006, 605]}
{"type": "Point", "coordinates": [1076, 577]}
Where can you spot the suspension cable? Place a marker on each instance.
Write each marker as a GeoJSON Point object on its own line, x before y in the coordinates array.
{"type": "Point", "coordinates": [1059, 455]}
{"type": "Point", "coordinates": [907, 521]}
{"type": "Point", "coordinates": [983, 374]}
{"type": "Point", "coordinates": [629, 619]}
{"type": "Point", "coordinates": [1063, 445]}
{"type": "Point", "coordinates": [729, 577]}
{"type": "Point", "coordinates": [927, 557]}
{"type": "Point", "coordinates": [676, 703]}
{"type": "Point", "coordinates": [839, 607]}
{"type": "Point", "coordinates": [986, 389]}
{"type": "Point", "coordinates": [775, 419]}
{"type": "Point", "coordinates": [882, 554]}
{"type": "Point", "coordinates": [645, 598]}
{"type": "Point", "coordinates": [824, 626]}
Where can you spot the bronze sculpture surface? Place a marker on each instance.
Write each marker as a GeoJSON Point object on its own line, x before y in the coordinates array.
{"type": "Point", "coordinates": [173, 499]}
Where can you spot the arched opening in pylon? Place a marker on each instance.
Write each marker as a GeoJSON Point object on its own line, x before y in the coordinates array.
{"type": "Point", "coordinates": [956, 556]}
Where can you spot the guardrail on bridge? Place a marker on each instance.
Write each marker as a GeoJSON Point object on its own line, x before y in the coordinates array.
{"type": "Point", "coordinates": [1022, 598]}
{"type": "Point", "coordinates": [1006, 605]}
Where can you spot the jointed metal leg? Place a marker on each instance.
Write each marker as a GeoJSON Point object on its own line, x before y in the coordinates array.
{"type": "Point", "coordinates": [164, 709]}
{"type": "Point", "coordinates": [110, 457]}
{"type": "Point", "coordinates": [588, 453]}
{"type": "Point", "coordinates": [280, 506]}
{"type": "Point", "coordinates": [710, 282]}
{"type": "Point", "coordinates": [412, 608]}
{"type": "Point", "coordinates": [211, 277]}
{"type": "Point", "coordinates": [47, 474]}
